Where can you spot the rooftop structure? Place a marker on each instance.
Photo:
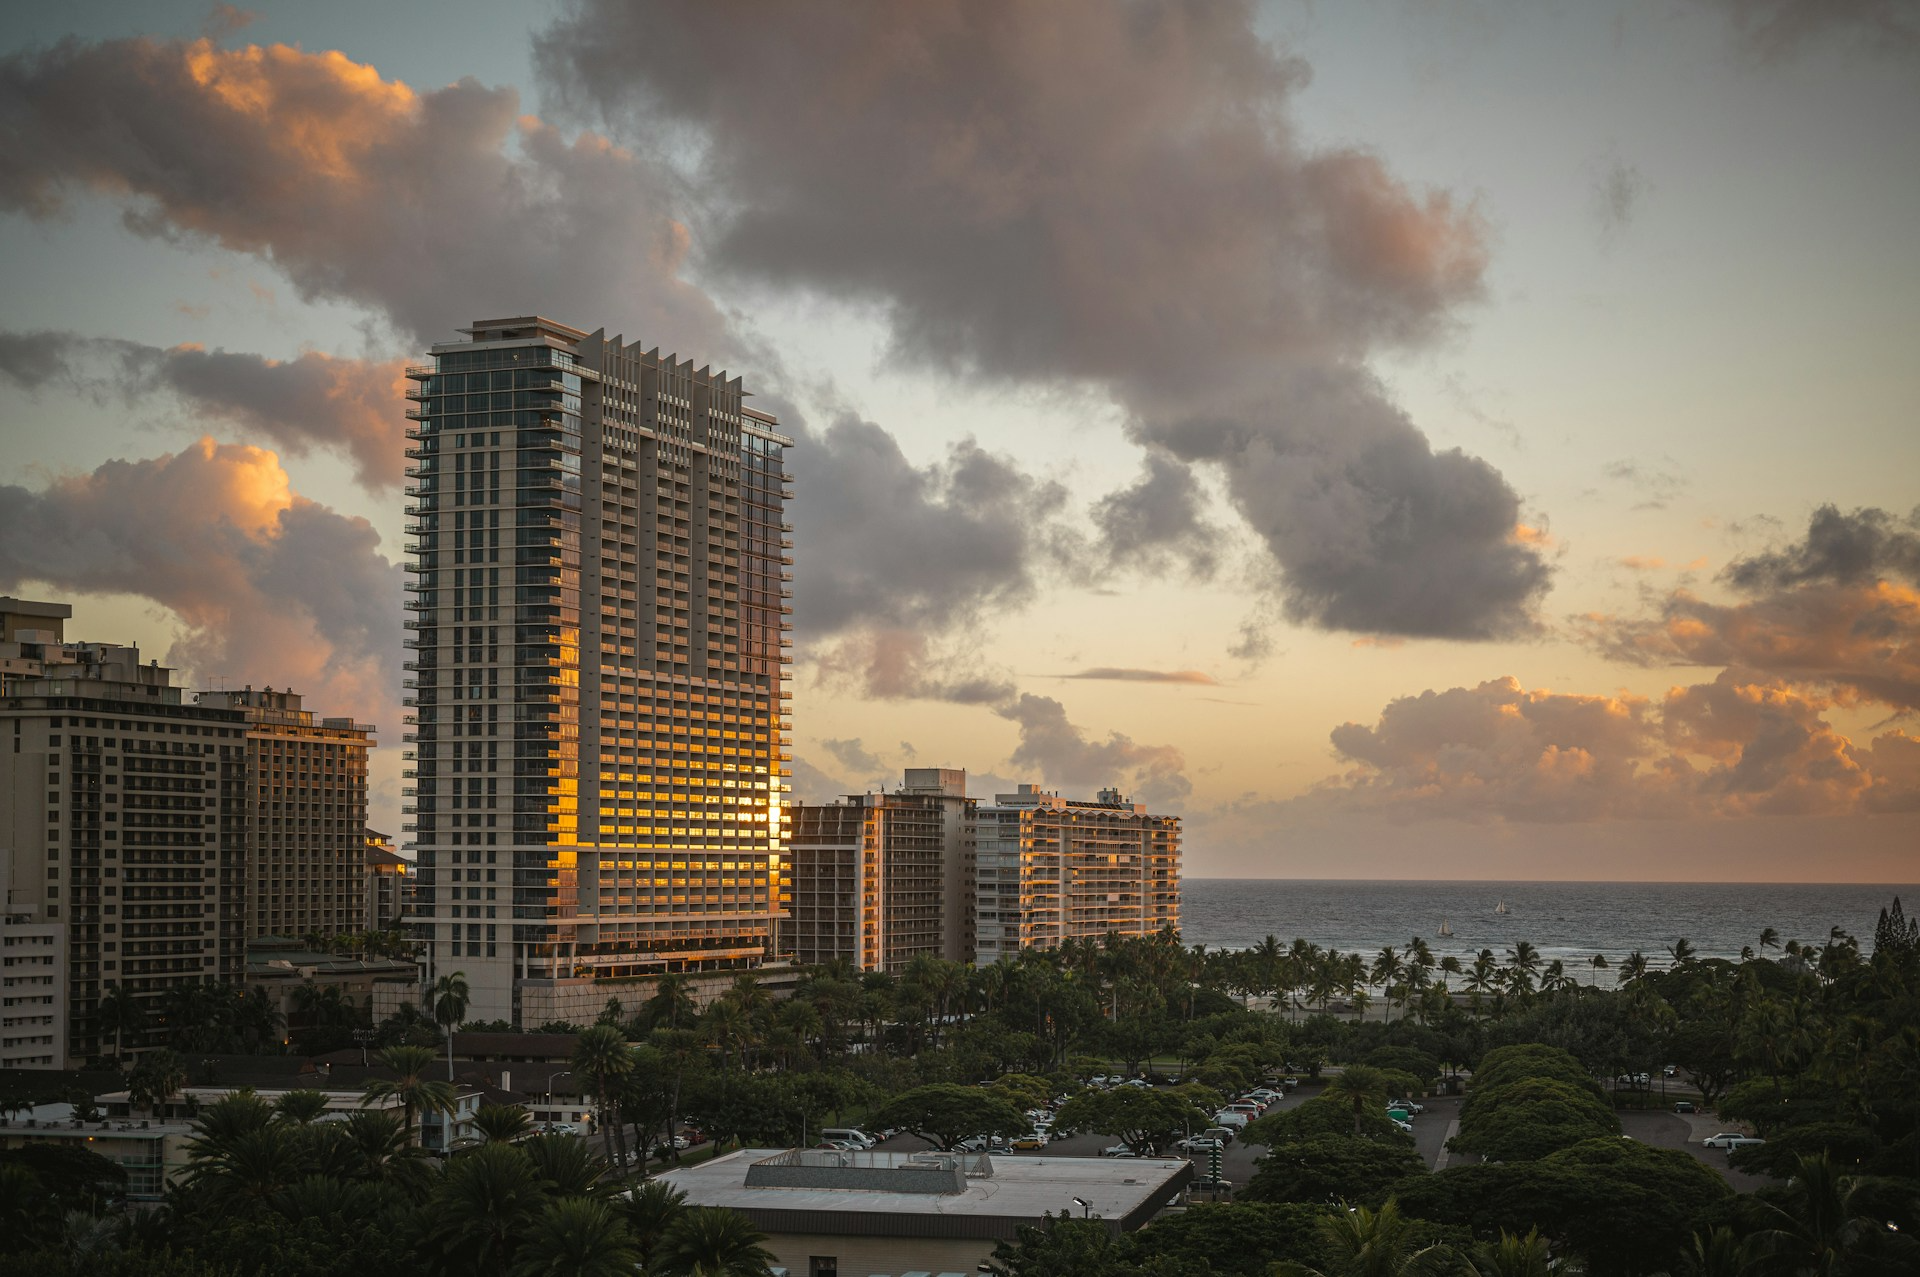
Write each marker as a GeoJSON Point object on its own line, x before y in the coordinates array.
{"type": "Point", "coordinates": [885, 1212]}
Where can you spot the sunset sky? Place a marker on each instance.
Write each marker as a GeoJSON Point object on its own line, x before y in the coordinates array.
{"type": "Point", "coordinates": [1406, 438]}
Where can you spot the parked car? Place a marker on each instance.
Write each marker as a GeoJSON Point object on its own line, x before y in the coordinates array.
{"type": "Point", "coordinates": [1409, 1105]}
{"type": "Point", "coordinates": [1199, 1144]}
{"type": "Point", "coordinates": [1739, 1142]}
{"type": "Point", "coordinates": [1405, 1128]}
{"type": "Point", "coordinates": [1727, 1139]}
{"type": "Point", "coordinates": [1683, 1106]}
{"type": "Point", "coordinates": [1031, 1140]}
{"type": "Point", "coordinates": [1117, 1150]}
{"type": "Point", "coordinates": [1222, 1133]}
{"type": "Point", "coordinates": [1227, 1117]}
{"type": "Point", "coordinates": [984, 1144]}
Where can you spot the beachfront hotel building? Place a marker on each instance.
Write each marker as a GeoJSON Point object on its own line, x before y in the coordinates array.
{"type": "Point", "coordinates": [306, 814]}
{"type": "Point", "coordinates": [123, 810]}
{"type": "Point", "coordinates": [1051, 869]}
{"type": "Point", "coordinates": [598, 668]}
{"type": "Point", "coordinates": [880, 879]}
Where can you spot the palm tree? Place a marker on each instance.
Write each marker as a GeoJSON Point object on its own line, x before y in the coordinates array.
{"type": "Point", "coordinates": [1370, 1244]}
{"type": "Point", "coordinates": [1633, 967]}
{"type": "Point", "coordinates": [1825, 1227]}
{"type": "Point", "coordinates": [577, 1237]}
{"type": "Point", "coordinates": [301, 1107]}
{"type": "Point", "coordinates": [1599, 963]}
{"type": "Point", "coordinates": [450, 995]}
{"type": "Point", "coordinates": [1769, 939]}
{"type": "Point", "coordinates": [1682, 952]}
{"type": "Point", "coordinates": [502, 1123]}
{"type": "Point", "coordinates": [568, 1166]}
{"type": "Point", "coordinates": [380, 1148]}
{"type": "Point", "coordinates": [712, 1241]}
{"type": "Point", "coordinates": [1386, 969]}
{"type": "Point", "coordinates": [120, 1013]}
{"type": "Point", "coordinates": [1721, 1253]}
{"type": "Point", "coordinates": [651, 1210]}
{"type": "Point", "coordinates": [1522, 961]}
{"type": "Point", "coordinates": [1362, 1085]}
{"type": "Point", "coordinates": [1512, 1256]}
{"type": "Point", "coordinates": [158, 1079]}
{"type": "Point", "coordinates": [486, 1200]}
{"type": "Point", "coordinates": [410, 1083]}
{"type": "Point", "coordinates": [601, 1057]}
{"type": "Point", "coordinates": [672, 1005]}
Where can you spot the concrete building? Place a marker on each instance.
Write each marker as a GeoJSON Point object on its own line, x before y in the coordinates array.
{"type": "Point", "coordinates": [33, 981]}
{"type": "Point", "coordinates": [125, 811]}
{"type": "Point", "coordinates": [1052, 869]}
{"type": "Point", "coordinates": [880, 879]}
{"type": "Point", "coordinates": [306, 814]}
{"type": "Point", "coordinates": [384, 883]}
{"type": "Point", "coordinates": [827, 1213]}
{"type": "Point", "coordinates": [599, 668]}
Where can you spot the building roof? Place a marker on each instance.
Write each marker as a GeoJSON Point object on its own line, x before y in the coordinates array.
{"type": "Point", "coordinates": [1126, 1192]}
{"type": "Point", "coordinates": [514, 1046]}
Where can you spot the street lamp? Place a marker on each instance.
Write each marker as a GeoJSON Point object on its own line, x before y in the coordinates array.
{"type": "Point", "coordinates": [1086, 1207]}
{"type": "Point", "coordinates": [550, 1077]}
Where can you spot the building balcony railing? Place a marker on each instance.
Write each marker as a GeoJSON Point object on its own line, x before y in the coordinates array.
{"type": "Point", "coordinates": [419, 372]}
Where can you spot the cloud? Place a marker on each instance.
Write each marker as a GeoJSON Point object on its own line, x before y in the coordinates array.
{"type": "Point", "coordinates": [429, 207]}
{"type": "Point", "coordinates": [1084, 194]}
{"type": "Point", "coordinates": [893, 544]}
{"type": "Point", "coordinates": [1498, 752]}
{"type": "Point", "coordinates": [1062, 754]}
{"type": "Point", "coordinates": [814, 786]}
{"type": "Point", "coordinates": [1117, 675]}
{"type": "Point", "coordinates": [1657, 486]}
{"type": "Point", "coordinates": [894, 664]}
{"type": "Point", "coordinates": [1614, 197]}
{"type": "Point", "coordinates": [350, 406]}
{"type": "Point", "coordinates": [1837, 611]}
{"type": "Point", "coordinates": [1771, 30]}
{"type": "Point", "coordinates": [1839, 549]}
{"type": "Point", "coordinates": [1157, 522]}
{"type": "Point", "coordinates": [854, 756]}
{"type": "Point", "coordinates": [266, 585]}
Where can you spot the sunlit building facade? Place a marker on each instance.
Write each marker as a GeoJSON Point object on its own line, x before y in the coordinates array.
{"type": "Point", "coordinates": [880, 879]}
{"type": "Point", "coordinates": [307, 814]}
{"type": "Point", "coordinates": [1050, 869]}
{"type": "Point", "coordinates": [599, 634]}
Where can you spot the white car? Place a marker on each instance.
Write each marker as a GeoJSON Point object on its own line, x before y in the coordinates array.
{"type": "Point", "coordinates": [1727, 1139]}
{"type": "Point", "coordinates": [1408, 1105]}
{"type": "Point", "coordinates": [1405, 1128]}
{"type": "Point", "coordinates": [1229, 1118]}
{"type": "Point", "coordinates": [1117, 1150]}
{"type": "Point", "coordinates": [1199, 1144]}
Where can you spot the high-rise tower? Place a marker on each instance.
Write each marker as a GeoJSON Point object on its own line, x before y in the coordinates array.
{"type": "Point", "coordinates": [599, 668]}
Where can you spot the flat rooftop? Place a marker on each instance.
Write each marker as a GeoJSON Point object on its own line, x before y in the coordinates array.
{"type": "Point", "coordinates": [997, 1195]}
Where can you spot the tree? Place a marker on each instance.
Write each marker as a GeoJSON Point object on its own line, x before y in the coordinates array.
{"type": "Point", "coordinates": [501, 1123]}
{"type": "Point", "coordinates": [711, 1241]}
{"type": "Point", "coordinates": [1146, 1120]}
{"type": "Point", "coordinates": [1824, 1230]}
{"type": "Point", "coordinates": [576, 1237]}
{"type": "Point", "coordinates": [1360, 1086]}
{"type": "Point", "coordinates": [672, 1005]}
{"type": "Point", "coordinates": [301, 1107]}
{"type": "Point", "coordinates": [1529, 1118]}
{"type": "Point", "coordinates": [120, 1013]}
{"type": "Point", "coordinates": [1512, 1256]}
{"type": "Point", "coordinates": [156, 1080]}
{"type": "Point", "coordinates": [450, 996]}
{"type": "Point", "coordinates": [944, 1114]}
{"type": "Point", "coordinates": [651, 1210]}
{"type": "Point", "coordinates": [1370, 1243]}
{"type": "Point", "coordinates": [1331, 1168]}
{"type": "Point", "coordinates": [487, 1200]}
{"type": "Point", "coordinates": [602, 1057]}
{"type": "Point", "coordinates": [410, 1084]}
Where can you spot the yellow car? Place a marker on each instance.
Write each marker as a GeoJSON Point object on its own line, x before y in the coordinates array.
{"type": "Point", "coordinates": [1031, 1141]}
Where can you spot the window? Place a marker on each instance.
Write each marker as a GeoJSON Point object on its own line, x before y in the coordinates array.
{"type": "Point", "coordinates": [823, 1266]}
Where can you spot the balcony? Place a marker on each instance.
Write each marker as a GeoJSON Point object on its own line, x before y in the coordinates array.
{"type": "Point", "coordinates": [419, 372]}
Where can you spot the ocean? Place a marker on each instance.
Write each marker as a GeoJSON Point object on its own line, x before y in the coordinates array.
{"type": "Point", "coordinates": [1571, 921]}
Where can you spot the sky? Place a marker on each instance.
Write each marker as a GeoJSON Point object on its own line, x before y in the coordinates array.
{"type": "Point", "coordinates": [1438, 439]}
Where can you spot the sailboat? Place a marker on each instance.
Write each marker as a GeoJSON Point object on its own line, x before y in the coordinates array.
{"type": "Point", "coordinates": [1502, 908]}
{"type": "Point", "coordinates": [1445, 930]}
